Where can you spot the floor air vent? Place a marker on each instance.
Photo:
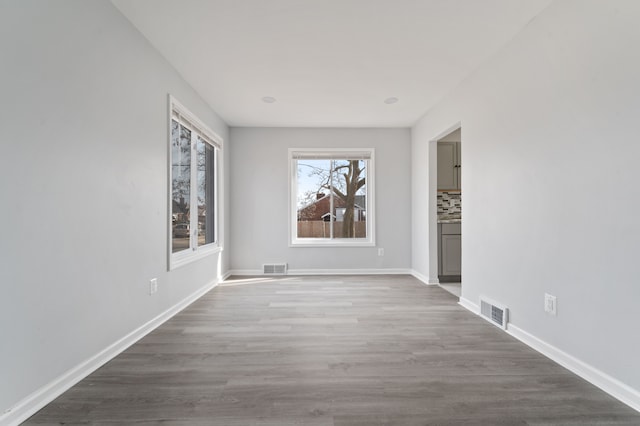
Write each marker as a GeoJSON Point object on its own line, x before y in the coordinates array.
{"type": "Point", "coordinates": [494, 313]}
{"type": "Point", "coordinates": [274, 269]}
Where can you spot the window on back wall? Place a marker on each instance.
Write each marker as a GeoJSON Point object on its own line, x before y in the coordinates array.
{"type": "Point", "coordinates": [331, 197]}
{"type": "Point", "coordinates": [193, 191]}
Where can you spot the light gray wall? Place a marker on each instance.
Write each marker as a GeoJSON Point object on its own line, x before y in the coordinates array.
{"type": "Point", "coordinates": [259, 201]}
{"type": "Point", "coordinates": [550, 181]}
{"type": "Point", "coordinates": [83, 181]}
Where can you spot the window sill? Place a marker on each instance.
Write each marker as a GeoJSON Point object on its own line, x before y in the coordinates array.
{"type": "Point", "coordinates": [185, 257]}
{"type": "Point", "coordinates": [331, 243]}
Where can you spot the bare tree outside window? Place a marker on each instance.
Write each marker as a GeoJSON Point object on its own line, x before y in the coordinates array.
{"type": "Point", "coordinates": [332, 198]}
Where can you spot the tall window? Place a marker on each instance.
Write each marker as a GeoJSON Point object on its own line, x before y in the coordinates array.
{"type": "Point", "coordinates": [193, 193]}
{"type": "Point", "coordinates": [331, 197]}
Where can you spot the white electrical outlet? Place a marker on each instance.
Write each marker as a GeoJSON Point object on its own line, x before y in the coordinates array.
{"type": "Point", "coordinates": [550, 304]}
{"type": "Point", "coordinates": [380, 252]}
{"type": "Point", "coordinates": [153, 285]}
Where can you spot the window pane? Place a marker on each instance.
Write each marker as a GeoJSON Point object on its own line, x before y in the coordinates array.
{"type": "Point", "coordinates": [331, 198]}
{"type": "Point", "coordinates": [313, 199]}
{"type": "Point", "coordinates": [180, 186]}
{"type": "Point", "coordinates": [206, 185]}
{"type": "Point", "coordinates": [350, 189]}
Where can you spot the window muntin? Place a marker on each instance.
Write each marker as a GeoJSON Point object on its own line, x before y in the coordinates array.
{"type": "Point", "coordinates": [194, 179]}
{"type": "Point", "coordinates": [331, 197]}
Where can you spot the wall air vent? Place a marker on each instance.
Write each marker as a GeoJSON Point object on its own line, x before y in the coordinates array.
{"type": "Point", "coordinates": [274, 269]}
{"type": "Point", "coordinates": [494, 313]}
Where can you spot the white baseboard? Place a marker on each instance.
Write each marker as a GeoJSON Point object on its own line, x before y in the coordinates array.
{"type": "Point", "coordinates": [47, 393]}
{"type": "Point", "coordinates": [426, 280]}
{"type": "Point", "coordinates": [470, 306]}
{"type": "Point", "coordinates": [224, 276]}
{"type": "Point", "coordinates": [610, 385]}
{"type": "Point", "coordinates": [390, 271]}
{"type": "Point", "coordinates": [245, 272]}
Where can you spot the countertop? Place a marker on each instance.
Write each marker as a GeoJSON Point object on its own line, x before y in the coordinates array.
{"type": "Point", "coordinates": [449, 219]}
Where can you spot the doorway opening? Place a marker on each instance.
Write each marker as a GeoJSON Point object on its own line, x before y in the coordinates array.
{"type": "Point", "coordinates": [449, 210]}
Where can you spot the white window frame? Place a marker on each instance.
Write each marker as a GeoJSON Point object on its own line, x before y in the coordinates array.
{"type": "Point", "coordinates": [180, 113]}
{"type": "Point", "coordinates": [294, 240]}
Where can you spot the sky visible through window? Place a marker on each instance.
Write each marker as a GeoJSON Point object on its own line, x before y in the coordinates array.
{"type": "Point", "coordinates": [310, 179]}
{"type": "Point", "coordinates": [312, 175]}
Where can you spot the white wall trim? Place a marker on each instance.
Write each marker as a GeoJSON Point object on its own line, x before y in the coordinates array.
{"type": "Point", "coordinates": [224, 276]}
{"type": "Point", "coordinates": [610, 385]}
{"type": "Point", "coordinates": [390, 271]}
{"type": "Point", "coordinates": [47, 393]}
{"type": "Point", "coordinates": [425, 280]}
{"type": "Point", "coordinates": [467, 304]}
{"type": "Point", "coordinates": [245, 272]}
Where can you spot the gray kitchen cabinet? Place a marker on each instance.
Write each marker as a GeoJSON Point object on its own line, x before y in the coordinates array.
{"type": "Point", "coordinates": [451, 255]}
{"type": "Point", "coordinates": [449, 165]}
{"type": "Point", "coordinates": [449, 252]}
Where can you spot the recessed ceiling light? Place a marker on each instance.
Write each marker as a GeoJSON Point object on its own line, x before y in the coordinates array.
{"type": "Point", "coordinates": [268, 99]}
{"type": "Point", "coordinates": [391, 100]}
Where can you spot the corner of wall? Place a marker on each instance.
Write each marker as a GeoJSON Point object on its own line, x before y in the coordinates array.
{"type": "Point", "coordinates": [50, 391]}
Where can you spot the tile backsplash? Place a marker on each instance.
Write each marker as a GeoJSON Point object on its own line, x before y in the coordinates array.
{"type": "Point", "coordinates": [449, 203]}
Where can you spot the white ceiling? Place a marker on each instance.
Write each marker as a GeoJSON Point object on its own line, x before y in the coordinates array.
{"type": "Point", "coordinates": [328, 63]}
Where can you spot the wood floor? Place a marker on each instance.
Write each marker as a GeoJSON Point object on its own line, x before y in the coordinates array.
{"type": "Point", "coordinates": [321, 351]}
